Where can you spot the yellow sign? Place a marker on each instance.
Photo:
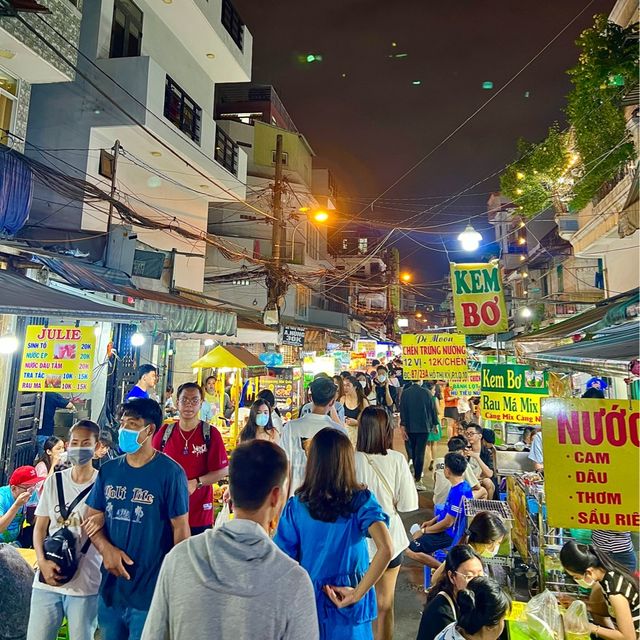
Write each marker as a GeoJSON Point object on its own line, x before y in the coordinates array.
{"type": "Point", "coordinates": [436, 356]}
{"type": "Point", "coordinates": [592, 463]}
{"type": "Point", "coordinates": [478, 298]}
{"type": "Point", "coordinates": [358, 362]}
{"type": "Point", "coordinates": [368, 347]}
{"type": "Point", "coordinates": [512, 393]}
{"type": "Point", "coordinates": [57, 359]}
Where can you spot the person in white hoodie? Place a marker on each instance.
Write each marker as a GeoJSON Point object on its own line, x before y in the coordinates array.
{"type": "Point", "coordinates": [234, 582]}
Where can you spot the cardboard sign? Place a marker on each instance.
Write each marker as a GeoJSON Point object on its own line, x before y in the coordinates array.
{"type": "Point", "coordinates": [434, 356]}
{"type": "Point", "coordinates": [57, 359]}
{"type": "Point", "coordinates": [478, 298]}
{"type": "Point", "coordinates": [293, 336]}
{"type": "Point", "coordinates": [512, 393]}
{"type": "Point", "coordinates": [591, 451]}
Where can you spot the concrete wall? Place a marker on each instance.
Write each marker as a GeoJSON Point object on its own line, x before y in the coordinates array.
{"type": "Point", "coordinates": [622, 272]}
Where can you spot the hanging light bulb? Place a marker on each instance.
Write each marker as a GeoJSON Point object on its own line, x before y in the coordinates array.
{"type": "Point", "coordinates": [8, 344]}
{"type": "Point", "coordinates": [209, 342]}
{"type": "Point", "coordinates": [137, 339]}
{"type": "Point", "coordinates": [525, 312]}
{"type": "Point", "coordinates": [97, 330]}
{"type": "Point", "coordinates": [469, 239]}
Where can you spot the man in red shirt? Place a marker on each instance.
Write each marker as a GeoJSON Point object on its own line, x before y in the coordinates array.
{"type": "Point", "coordinates": [198, 448]}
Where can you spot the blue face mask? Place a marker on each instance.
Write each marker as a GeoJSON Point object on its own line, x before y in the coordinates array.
{"type": "Point", "coordinates": [262, 419]}
{"type": "Point", "coordinates": [128, 440]}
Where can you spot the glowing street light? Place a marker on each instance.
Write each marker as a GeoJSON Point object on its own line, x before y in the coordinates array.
{"type": "Point", "coordinates": [469, 239]}
{"type": "Point", "coordinates": [321, 216]}
{"type": "Point", "coordinates": [405, 277]}
{"type": "Point", "coordinates": [137, 339]}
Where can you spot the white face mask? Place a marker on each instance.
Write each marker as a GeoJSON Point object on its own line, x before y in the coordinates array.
{"type": "Point", "coordinates": [490, 553]}
{"type": "Point", "coordinates": [363, 383]}
{"type": "Point", "coordinates": [585, 584]}
{"type": "Point", "coordinates": [382, 378]}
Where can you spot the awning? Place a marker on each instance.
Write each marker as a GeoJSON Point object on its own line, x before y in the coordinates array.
{"type": "Point", "coordinates": [182, 314]}
{"type": "Point", "coordinates": [84, 275]}
{"type": "Point", "coordinates": [608, 353]}
{"type": "Point", "coordinates": [252, 332]}
{"type": "Point", "coordinates": [229, 358]}
{"type": "Point", "coordinates": [25, 297]}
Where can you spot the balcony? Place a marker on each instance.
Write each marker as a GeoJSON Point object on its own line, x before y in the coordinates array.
{"type": "Point", "coordinates": [214, 33]}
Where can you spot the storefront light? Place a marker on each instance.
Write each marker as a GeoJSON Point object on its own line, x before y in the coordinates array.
{"type": "Point", "coordinates": [469, 239]}
{"type": "Point", "coordinates": [137, 339]}
{"type": "Point", "coordinates": [525, 312]}
{"type": "Point", "coordinates": [8, 344]}
{"type": "Point", "coordinates": [403, 322]}
{"type": "Point", "coordinates": [209, 342]}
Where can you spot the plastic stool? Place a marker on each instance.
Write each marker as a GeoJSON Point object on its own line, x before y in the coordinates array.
{"type": "Point", "coordinates": [439, 555]}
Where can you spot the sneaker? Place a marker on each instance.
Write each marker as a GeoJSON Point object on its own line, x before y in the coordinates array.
{"type": "Point", "coordinates": [420, 486]}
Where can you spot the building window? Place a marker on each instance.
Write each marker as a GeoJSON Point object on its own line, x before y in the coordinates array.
{"type": "Point", "coordinates": [560, 274]}
{"type": "Point", "coordinates": [362, 245]}
{"type": "Point", "coordinates": [126, 30]}
{"type": "Point", "coordinates": [182, 111]}
{"type": "Point", "coordinates": [285, 158]}
{"type": "Point", "coordinates": [313, 241]}
{"type": "Point", "coordinates": [8, 101]}
{"type": "Point", "coordinates": [345, 244]}
{"type": "Point", "coordinates": [226, 152]}
{"type": "Point", "coordinates": [303, 298]}
{"type": "Point", "coordinates": [232, 22]}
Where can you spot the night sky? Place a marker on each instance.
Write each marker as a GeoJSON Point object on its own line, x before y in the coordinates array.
{"type": "Point", "coordinates": [372, 125]}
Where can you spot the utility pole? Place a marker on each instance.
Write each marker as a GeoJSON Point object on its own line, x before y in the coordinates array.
{"type": "Point", "coordinates": [276, 283]}
{"type": "Point", "coordinates": [114, 169]}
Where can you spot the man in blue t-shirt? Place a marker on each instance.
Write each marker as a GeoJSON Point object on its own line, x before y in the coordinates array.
{"type": "Point", "coordinates": [147, 379]}
{"type": "Point", "coordinates": [440, 532]}
{"type": "Point", "coordinates": [143, 500]}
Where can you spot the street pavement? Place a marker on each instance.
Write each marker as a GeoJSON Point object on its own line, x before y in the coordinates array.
{"type": "Point", "coordinates": [409, 593]}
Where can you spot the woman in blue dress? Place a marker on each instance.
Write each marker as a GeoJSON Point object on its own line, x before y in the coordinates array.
{"type": "Point", "coordinates": [324, 527]}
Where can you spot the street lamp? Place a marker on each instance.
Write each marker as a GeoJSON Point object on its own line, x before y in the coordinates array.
{"type": "Point", "coordinates": [405, 277]}
{"type": "Point", "coordinates": [469, 239]}
{"type": "Point", "coordinates": [319, 216]}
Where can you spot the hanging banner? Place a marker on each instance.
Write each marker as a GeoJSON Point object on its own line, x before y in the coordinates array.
{"type": "Point", "coordinates": [293, 336]}
{"type": "Point", "coordinates": [512, 393]}
{"type": "Point", "coordinates": [368, 347]}
{"type": "Point", "coordinates": [57, 359]}
{"type": "Point", "coordinates": [434, 356]}
{"type": "Point", "coordinates": [358, 361]}
{"type": "Point", "coordinates": [590, 449]}
{"type": "Point", "coordinates": [468, 387]}
{"type": "Point", "coordinates": [478, 298]}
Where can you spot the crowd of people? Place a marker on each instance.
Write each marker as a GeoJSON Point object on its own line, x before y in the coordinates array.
{"type": "Point", "coordinates": [129, 543]}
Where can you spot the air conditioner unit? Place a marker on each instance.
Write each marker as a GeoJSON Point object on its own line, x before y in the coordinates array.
{"type": "Point", "coordinates": [567, 226]}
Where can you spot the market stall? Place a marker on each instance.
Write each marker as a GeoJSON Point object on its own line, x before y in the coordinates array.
{"type": "Point", "coordinates": [286, 385]}
{"type": "Point", "coordinates": [237, 368]}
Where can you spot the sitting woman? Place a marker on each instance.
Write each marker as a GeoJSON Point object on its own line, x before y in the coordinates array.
{"type": "Point", "coordinates": [484, 535]}
{"type": "Point", "coordinates": [482, 608]}
{"type": "Point", "coordinates": [461, 566]}
{"type": "Point", "coordinates": [46, 464]}
{"type": "Point", "coordinates": [592, 569]}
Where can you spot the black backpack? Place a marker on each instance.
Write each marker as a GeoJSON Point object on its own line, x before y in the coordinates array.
{"type": "Point", "coordinates": [206, 432]}
{"type": "Point", "coordinates": [61, 547]}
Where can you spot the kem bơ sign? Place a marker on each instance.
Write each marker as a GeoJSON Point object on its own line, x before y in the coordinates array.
{"type": "Point", "coordinates": [591, 450]}
{"type": "Point", "coordinates": [478, 298]}
{"type": "Point", "coordinates": [434, 356]}
{"type": "Point", "coordinates": [512, 393]}
{"type": "Point", "coordinates": [57, 359]}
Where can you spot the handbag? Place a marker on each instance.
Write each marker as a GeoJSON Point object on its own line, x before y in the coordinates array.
{"type": "Point", "coordinates": [450, 601]}
{"type": "Point", "coordinates": [61, 546]}
{"type": "Point", "coordinates": [385, 483]}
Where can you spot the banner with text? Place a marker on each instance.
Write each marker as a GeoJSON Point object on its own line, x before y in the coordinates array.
{"type": "Point", "coordinates": [512, 393]}
{"type": "Point", "coordinates": [57, 359]}
{"type": "Point", "coordinates": [293, 336]}
{"type": "Point", "coordinates": [434, 356]}
{"type": "Point", "coordinates": [468, 387]}
{"type": "Point", "coordinates": [478, 298]}
{"type": "Point", "coordinates": [591, 450]}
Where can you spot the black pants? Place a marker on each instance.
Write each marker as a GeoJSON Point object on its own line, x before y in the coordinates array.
{"type": "Point", "coordinates": [416, 445]}
{"type": "Point", "coordinates": [195, 531]}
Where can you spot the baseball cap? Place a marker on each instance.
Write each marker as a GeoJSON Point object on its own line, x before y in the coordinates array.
{"type": "Point", "coordinates": [323, 390]}
{"type": "Point", "coordinates": [25, 476]}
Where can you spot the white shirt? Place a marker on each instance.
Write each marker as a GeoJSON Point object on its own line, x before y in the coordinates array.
{"type": "Point", "coordinates": [293, 434]}
{"type": "Point", "coordinates": [449, 633]}
{"type": "Point", "coordinates": [86, 581]}
{"type": "Point", "coordinates": [442, 486]}
{"type": "Point", "coordinates": [395, 469]}
{"type": "Point", "coordinates": [536, 449]}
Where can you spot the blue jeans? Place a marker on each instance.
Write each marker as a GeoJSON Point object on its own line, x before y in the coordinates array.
{"type": "Point", "coordinates": [120, 623]}
{"type": "Point", "coordinates": [49, 608]}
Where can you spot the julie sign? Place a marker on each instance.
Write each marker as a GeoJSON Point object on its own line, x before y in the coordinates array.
{"type": "Point", "coordinates": [478, 298]}
{"type": "Point", "coordinates": [592, 450]}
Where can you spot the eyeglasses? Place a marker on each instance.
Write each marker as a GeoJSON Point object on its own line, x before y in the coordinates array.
{"type": "Point", "coordinates": [470, 576]}
{"type": "Point", "coordinates": [190, 401]}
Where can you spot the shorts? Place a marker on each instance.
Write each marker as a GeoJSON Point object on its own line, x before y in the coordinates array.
{"type": "Point", "coordinates": [431, 542]}
{"type": "Point", "coordinates": [452, 412]}
{"type": "Point", "coordinates": [396, 562]}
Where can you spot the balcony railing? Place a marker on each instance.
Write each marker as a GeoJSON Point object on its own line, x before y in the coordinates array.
{"type": "Point", "coordinates": [232, 22]}
{"type": "Point", "coordinates": [611, 184]}
{"type": "Point", "coordinates": [226, 151]}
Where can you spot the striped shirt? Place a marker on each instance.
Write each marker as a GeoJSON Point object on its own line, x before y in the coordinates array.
{"type": "Point", "coordinates": [614, 583]}
{"type": "Point", "coordinates": [612, 541]}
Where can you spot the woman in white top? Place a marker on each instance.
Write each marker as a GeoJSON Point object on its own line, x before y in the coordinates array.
{"type": "Point", "coordinates": [387, 475]}
{"type": "Point", "coordinates": [482, 608]}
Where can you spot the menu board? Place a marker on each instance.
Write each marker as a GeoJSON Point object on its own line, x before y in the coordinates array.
{"type": "Point", "coordinates": [434, 356]}
{"type": "Point", "coordinates": [57, 359]}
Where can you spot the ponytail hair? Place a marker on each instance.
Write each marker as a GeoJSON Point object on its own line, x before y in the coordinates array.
{"type": "Point", "coordinates": [482, 604]}
{"type": "Point", "coordinates": [577, 558]}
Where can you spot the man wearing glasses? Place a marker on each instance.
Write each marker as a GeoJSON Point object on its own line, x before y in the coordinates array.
{"type": "Point", "coordinates": [13, 499]}
{"type": "Point", "coordinates": [198, 448]}
{"type": "Point", "coordinates": [480, 458]}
